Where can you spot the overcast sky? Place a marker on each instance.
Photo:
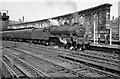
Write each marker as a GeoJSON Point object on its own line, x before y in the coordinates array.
{"type": "Point", "coordinates": [39, 9]}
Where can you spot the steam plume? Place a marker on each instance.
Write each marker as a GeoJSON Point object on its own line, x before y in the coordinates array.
{"type": "Point", "coordinates": [68, 5]}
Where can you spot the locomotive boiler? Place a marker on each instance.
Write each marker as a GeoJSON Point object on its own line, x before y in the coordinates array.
{"type": "Point", "coordinates": [68, 30]}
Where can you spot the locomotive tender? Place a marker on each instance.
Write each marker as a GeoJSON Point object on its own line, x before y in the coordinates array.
{"type": "Point", "coordinates": [67, 36]}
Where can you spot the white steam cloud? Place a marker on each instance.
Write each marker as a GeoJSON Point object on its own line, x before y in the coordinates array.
{"type": "Point", "coordinates": [62, 5]}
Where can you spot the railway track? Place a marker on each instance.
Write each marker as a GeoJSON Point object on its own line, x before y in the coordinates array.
{"type": "Point", "coordinates": [110, 59]}
{"type": "Point", "coordinates": [56, 67]}
{"type": "Point", "coordinates": [97, 57]}
{"type": "Point", "coordinates": [98, 54]}
{"type": "Point", "coordinates": [107, 62]}
{"type": "Point", "coordinates": [79, 70]}
{"type": "Point", "coordinates": [88, 52]}
{"type": "Point", "coordinates": [18, 74]}
{"type": "Point", "coordinates": [101, 60]}
{"type": "Point", "coordinates": [23, 69]}
{"type": "Point", "coordinates": [7, 72]}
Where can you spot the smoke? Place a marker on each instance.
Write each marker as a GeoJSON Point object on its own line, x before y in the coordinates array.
{"type": "Point", "coordinates": [68, 5]}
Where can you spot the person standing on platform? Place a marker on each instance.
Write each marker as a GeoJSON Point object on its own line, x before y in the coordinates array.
{"type": "Point", "coordinates": [98, 38]}
{"type": "Point", "coordinates": [107, 39]}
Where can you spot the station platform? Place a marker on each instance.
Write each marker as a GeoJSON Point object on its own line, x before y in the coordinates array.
{"type": "Point", "coordinates": [116, 42]}
{"type": "Point", "coordinates": [107, 46]}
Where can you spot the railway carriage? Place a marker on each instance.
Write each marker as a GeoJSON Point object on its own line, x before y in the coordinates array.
{"type": "Point", "coordinates": [7, 35]}
{"type": "Point", "coordinates": [40, 36]}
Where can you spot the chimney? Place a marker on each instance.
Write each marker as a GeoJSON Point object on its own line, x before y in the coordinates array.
{"type": "Point", "coordinates": [23, 19]}
{"type": "Point", "coordinates": [0, 14]}
{"type": "Point", "coordinates": [20, 20]}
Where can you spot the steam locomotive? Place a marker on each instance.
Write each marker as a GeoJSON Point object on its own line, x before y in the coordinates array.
{"type": "Point", "coordinates": [67, 36]}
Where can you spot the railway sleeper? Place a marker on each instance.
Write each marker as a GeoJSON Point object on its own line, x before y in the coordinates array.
{"type": "Point", "coordinates": [96, 66]}
{"type": "Point", "coordinates": [14, 68]}
{"type": "Point", "coordinates": [78, 74]}
{"type": "Point", "coordinates": [103, 61]}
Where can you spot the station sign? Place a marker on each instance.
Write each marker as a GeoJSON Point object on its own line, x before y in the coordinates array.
{"type": "Point", "coordinates": [104, 31]}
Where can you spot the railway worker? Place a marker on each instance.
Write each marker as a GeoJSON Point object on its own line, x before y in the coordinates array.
{"type": "Point", "coordinates": [15, 45]}
{"type": "Point", "coordinates": [98, 38]}
{"type": "Point", "coordinates": [106, 39]}
{"type": "Point", "coordinates": [30, 42]}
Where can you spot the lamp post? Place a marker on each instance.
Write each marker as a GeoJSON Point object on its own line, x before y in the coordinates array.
{"type": "Point", "coordinates": [110, 33]}
{"type": "Point", "coordinates": [110, 36]}
{"type": "Point", "coordinates": [95, 26]}
{"type": "Point", "coordinates": [119, 27]}
{"type": "Point", "coordinates": [94, 30]}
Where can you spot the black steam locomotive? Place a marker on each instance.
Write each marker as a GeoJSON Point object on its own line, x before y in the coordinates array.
{"type": "Point", "coordinates": [67, 36]}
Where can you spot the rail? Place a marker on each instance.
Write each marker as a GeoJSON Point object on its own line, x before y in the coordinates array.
{"type": "Point", "coordinates": [12, 73]}
{"type": "Point", "coordinates": [43, 58]}
{"type": "Point", "coordinates": [37, 73]}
